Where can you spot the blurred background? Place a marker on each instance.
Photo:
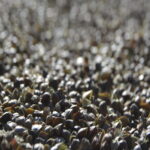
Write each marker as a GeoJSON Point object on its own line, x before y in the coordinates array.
{"type": "Point", "coordinates": [40, 29]}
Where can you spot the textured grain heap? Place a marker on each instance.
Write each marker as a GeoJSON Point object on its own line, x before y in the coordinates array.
{"type": "Point", "coordinates": [74, 74]}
